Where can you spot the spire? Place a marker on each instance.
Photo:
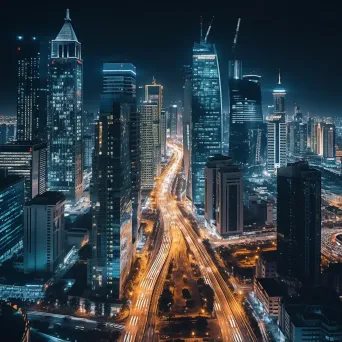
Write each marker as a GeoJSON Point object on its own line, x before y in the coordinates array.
{"type": "Point", "coordinates": [154, 81]}
{"type": "Point", "coordinates": [279, 78]}
{"type": "Point", "coordinates": [67, 17]}
{"type": "Point", "coordinates": [67, 33]}
{"type": "Point", "coordinates": [201, 24]}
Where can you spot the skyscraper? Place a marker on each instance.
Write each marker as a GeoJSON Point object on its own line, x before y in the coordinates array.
{"type": "Point", "coordinates": [247, 131]}
{"type": "Point", "coordinates": [173, 111]}
{"type": "Point", "coordinates": [66, 110]}
{"type": "Point", "coordinates": [186, 128]}
{"type": "Point", "coordinates": [154, 93]}
{"type": "Point", "coordinates": [112, 185]}
{"type": "Point", "coordinates": [276, 142]}
{"type": "Point", "coordinates": [11, 214]}
{"type": "Point", "coordinates": [299, 222]}
{"type": "Point", "coordinates": [88, 136]}
{"type": "Point", "coordinates": [206, 118]}
{"type": "Point", "coordinates": [28, 87]}
{"type": "Point", "coordinates": [329, 141]}
{"type": "Point", "coordinates": [279, 95]}
{"type": "Point", "coordinates": [44, 236]}
{"type": "Point", "coordinates": [150, 145]}
{"type": "Point", "coordinates": [27, 159]}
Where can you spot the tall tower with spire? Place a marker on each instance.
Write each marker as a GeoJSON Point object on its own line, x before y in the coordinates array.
{"type": "Point", "coordinates": [279, 95]}
{"type": "Point", "coordinates": [65, 113]}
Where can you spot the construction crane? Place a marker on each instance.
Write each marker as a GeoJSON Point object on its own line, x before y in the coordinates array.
{"type": "Point", "coordinates": [209, 28]}
{"type": "Point", "coordinates": [236, 36]}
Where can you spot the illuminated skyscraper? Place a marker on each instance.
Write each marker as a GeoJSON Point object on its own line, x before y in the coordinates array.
{"type": "Point", "coordinates": [329, 142]}
{"type": "Point", "coordinates": [186, 128]}
{"type": "Point", "coordinates": [150, 145]}
{"type": "Point", "coordinates": [112, 181]}
{"type": "Point", "coordinates": [154, 93]}
{"type": "Point", "coordinates": [299, 222]}
{"type": "Point", "coordinates": [28, 87]}
{"type": "Point", "coordinates": [247, 132]}
{"type": "Point", "coordinates": [11, 214]}
{"type": "Point", "coordinates": [206, 118]}
{"type": "Point", "coordinates": [66, 110]}
{"type": "Point", "coordinates": [173, 111]}
{"type": "Point", "coordinates": [279, 95]}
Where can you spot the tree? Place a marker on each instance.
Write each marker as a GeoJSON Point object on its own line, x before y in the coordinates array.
{"type": "Point", "coordinates": [201, 323]}
{"type": "Point", "coordinates": [209, 294]}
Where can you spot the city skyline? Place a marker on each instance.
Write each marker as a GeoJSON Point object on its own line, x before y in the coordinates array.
{"type": "Point", "coordinates": [259, 49]}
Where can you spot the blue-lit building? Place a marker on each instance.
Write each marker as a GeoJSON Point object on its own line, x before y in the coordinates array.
{"type": "Point", "coordinates": [65, 117]}
{"type": "Point", "coordinates": [206, 118]}
{"type": "Point", "coordinates": [247, 144]}
{"type": "Point", "coordinates": [113, 191]}
{"type": "Point", "coordinates": [11, 214]}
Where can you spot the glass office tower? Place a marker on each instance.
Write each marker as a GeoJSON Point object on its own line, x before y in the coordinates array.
{"type": "Point", "coordinates": [66, 102]}
{"type": "Point", "coordinates": [206, 119]}
{"type": "Point", "coordinates": [247, 132]}
{"type": "Point", "coordinates": [112, 181]}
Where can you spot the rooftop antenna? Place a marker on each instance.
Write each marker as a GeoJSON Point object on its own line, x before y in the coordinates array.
{"type": "Point", "coordinates": [67, 17]}
{"type": "Point", "coordinates": [236, 35]}
{"type": "Point", "coordinates": [206, 36]}
{"type": "Point", "coordinates": [201, 28]}
{"type": "Point", "coordinates": [279, 78]}
{"type": "Point", "coordinates": [154, 81]}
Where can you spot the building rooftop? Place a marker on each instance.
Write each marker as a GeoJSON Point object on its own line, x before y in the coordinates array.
{"type": "Point", "coordinates": [271, 286]}
{"type": "Point", "coordinates": [48, 198]}
{"type": "Point", "coordinates": [22, 146]}
{"type": "Point", "coordinates": [67, 32]}
{"type": "Point", "coordinates": [270, 256]}
{"type": "Point", "coordinates": [8, 180]}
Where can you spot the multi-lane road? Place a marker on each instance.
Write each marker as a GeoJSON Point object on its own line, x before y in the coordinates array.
{"type": "Point", "coordinates": [142, 321]}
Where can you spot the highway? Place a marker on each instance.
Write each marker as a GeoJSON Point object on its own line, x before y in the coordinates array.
{"type": "Point", "coordinates": [140, 307]}
{"type": "Point", "coordinates": [231, 317]}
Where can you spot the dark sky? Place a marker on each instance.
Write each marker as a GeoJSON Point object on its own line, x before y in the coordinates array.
{"type": "Point", "coordinates": [302, 38]}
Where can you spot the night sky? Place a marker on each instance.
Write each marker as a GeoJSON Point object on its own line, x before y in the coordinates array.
{"type": "Point", "coordinates": [304, 40]}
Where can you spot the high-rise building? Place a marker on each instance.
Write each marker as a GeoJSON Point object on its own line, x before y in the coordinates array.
{"type": "Point", "coordinates": [119, 85]}
{"type": "Point", "coordinates": [66, 110]}
{"type": "Point", "coordinates": [276, 142]}
{"type": "Point", "coordinates": [229, 200]}
{"type": "Point", "coordinates": [112, 181]}
{"type": "Point", "coordinates": [206, 118]}
{"type": "Point", "coordinates": [150, 145]}
{"type": "Point", "coordinates": [299, 222]}
{"type": "Point", "coordinates": [11, 214]}
{"type": "Point", "coordinates": [27, 159]}
{"type": "Point", "coordinates": [329, 142]}
{"type": "Point", "coordinates": [28, 88]}
{"type": "Point", "coordinates": [247, 131]}
{"type": "Point", "coordinates": [173, 111]}
{"type": "Point", "coordinates": [88, 129]}
{"type": "Point", "coordinates": [44, 235]}
{"type": "Point", "coordinates": [210, 172]}
{"type": "Point", "coordinates": [312, 141]}
{"type": "Point", "coordinates": [186, 128]}
{"type": "Point", "coordinates": [297, 138]}
{"type": "Point", "coordinates": [154, 93]}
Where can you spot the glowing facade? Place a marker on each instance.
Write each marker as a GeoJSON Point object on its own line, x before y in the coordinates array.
{"type": "Point", "coordinates": [206, 118]}
{"type": "Point", "coordinates": [65, 117]}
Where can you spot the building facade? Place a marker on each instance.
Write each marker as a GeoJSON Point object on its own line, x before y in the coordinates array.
{"type": "Point", "coordinates": [206, 117]}
{"type": "Point", "coordinates": [11, 214]}
{"type": "Point", "coordinates": [247, 132]}
{"type": "Point", "coordinates": [66, 110]}
{"type": "Point", "coordinates": [229, 200]}
{"type": "Point", "coordinates": [44, 234]}
{"type": "Point", "coordinates": [276, 142]}
{"type": "Point", "coordinates": [28, 88]}
{"type": "Point", "coordinates": [112, 187]}
{"type": "Point", "coordinates": [27, 159]}
{"type": "Point", "coordinates": [150, 145]}
{"type": "Point", "coordinates": [299, 222]}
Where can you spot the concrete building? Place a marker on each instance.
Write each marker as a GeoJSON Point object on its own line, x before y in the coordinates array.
{"type": "Point", "coordinates": [269, 293]}
{"type": "Point", "coordinates": [266, 265]}
{"type": "Point", "coordinates": [44, 235]}
{"type": "Point", "coordinates": [229, 200]}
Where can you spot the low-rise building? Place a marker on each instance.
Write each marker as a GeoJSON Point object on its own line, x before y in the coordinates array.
{"type": "Point", "coordinates": [266, 265]}
{"type": "Point", "coordinates": [269, 292]}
